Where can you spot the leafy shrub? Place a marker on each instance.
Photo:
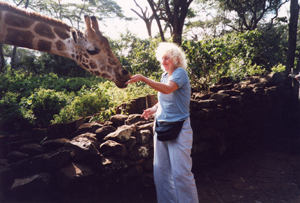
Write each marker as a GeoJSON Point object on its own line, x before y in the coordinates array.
{"type": "Point", "coordinates": [26, 86]}
{"type": "Point", "coordinates": [232, 55]}
{"type": "Point", "coordinates": [136, 55]}
{"type": "Point", "coordinates": [11, 117]}
{"type": "Point", "coordinates": [89, 102]}
{"type": "Point", "coordinates": [42, 105]}
{"type": "Point", "coordinates": [238, 70]}
{"type": "Point", "coordinates": [118, 96]}
{"type": "Point", "coordinates": [102, 99]}
{"type": "Point", "coordinates": [278, 68]}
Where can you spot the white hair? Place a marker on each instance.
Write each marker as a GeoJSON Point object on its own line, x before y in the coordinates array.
{"type": "Point", "coordinates": [173, 51]}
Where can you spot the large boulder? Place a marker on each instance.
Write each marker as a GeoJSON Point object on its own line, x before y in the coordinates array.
{"type": "Point", "coordinates": [83, 145]}
{"type": "Point", "coordinates": [6, 178]}
{"type": "Point", "coordinates": [118, 119]}
{"type": "Point", "coordinates": [55, 144]}
{"type": "Point", "coordinates": [142, 136]}
{"type": "Point", "coordinates": [74, 176]}
{"type": "Point", "coordinates": [43, 163]}
{"type": "Point", "coordinates": [15, 156]}
{"type": "Point", "coordinates": [134, 118]}
{"type": "Point", "coordinates": [105, 130]}
{"type": "Point", "coordinates": [140, 152]}
{"type": "Point", "coordinates": [122, 134]}
{"type": "Point", "coordinates": [32, 149]}
{"type": "Point", "coordinates": [110, 148]}
{"type": "Point", "coordinates": [86, 127]}
{"type": "Point", "coordinates": [27, 187]}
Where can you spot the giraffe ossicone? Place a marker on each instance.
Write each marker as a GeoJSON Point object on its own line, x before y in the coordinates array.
{"type": "Point", "coordinates": [90, 49]}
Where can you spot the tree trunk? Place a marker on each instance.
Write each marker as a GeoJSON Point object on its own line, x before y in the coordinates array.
{"type": "Point", "coordinates": [162, 36]}
{"type": "Point", "coordinates": [2, 62]}
{"type": "Point", "coordinates": [13, 58]}
{"type": "Point", "coordinates": [294, 9]}
{"type": "Point", "coordinates": [177, 33]}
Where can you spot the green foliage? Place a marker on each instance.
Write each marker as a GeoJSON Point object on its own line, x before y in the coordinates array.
{"type": "Point", "coordinates": [88, 103]}
{"type": "Point", "coordinates": [61, 66]}
{"type": "Point", "coordinates": [101, 100]}
{"type": "Point", "coordinates": [27, 85]}
{"type": "Point", "coordinates": [232, 55]}
{"type": "Point", "coordinates": [11, 118]}
{"type": "Point", "coordinates": [278, 68]}
{"type": "Point", "coordinates": [136, 55]}
{"type": "Point", "coordinates": [118, 96]}
{"type": "Point", "coordinates": [104, 115]}
{"type": "Point", "coordinates": [274, 45]}
{"type": "Point", "coordinates": [42, 105]}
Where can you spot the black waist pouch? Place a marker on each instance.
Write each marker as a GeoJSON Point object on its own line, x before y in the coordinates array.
{"type": "Point", "coordinates": [168, 130]}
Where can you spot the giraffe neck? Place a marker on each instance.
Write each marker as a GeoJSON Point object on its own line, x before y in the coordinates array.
{"type": "Point", "coordinates": [34, 31]}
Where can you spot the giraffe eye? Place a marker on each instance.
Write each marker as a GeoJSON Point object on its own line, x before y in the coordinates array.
{"type": "Point", "coordinates": [93, 52]}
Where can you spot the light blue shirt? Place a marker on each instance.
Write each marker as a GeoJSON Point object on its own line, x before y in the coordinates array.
{"type": "Point", "coordinates": [175, 106]}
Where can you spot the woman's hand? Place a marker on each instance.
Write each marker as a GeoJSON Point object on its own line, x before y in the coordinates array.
{"type": "Point", "coordinates": [148, 112]}
{"type": "Point", "coordinates": [135, 78]}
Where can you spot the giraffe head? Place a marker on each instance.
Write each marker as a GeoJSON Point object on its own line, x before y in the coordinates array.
{"type": "Point", "coordinates": [93, 53]}
{"type": "Point", "coordinates": [90, 49]}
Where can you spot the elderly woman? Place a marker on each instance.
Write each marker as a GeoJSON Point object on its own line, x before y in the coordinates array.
{"type": "Point", "coordinates": [173, 178]}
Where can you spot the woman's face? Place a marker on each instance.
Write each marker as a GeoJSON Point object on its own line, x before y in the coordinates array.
{"type": "Point", "coordinates": [168, 64]}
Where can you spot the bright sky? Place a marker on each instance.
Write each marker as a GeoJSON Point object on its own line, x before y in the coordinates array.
{"type": "Point", "coordinates": [113, 28]}
{"type": "Point", "coordinates": [136, 26]}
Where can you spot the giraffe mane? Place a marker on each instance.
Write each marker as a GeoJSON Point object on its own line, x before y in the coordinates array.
{"type": "Point", "coordinates": [33, 15]}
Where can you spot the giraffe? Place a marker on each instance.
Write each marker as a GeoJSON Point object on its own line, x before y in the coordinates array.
{"type": "Point", "coordinates": [90, 49]}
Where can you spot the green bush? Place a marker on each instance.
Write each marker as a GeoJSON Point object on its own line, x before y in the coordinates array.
{"type": "Point", "coordinates": [11, 117]}
{"type": "Point", "coordinates": [42, 105]}
{"type": "Point", "coordinates": [278, 68]}
{"type": "Point", "coordinates": [26, 86]}
{"type": "Point", "coordinates": [102, 99]}
{"type": "Point", "coordinates": [136, 55]}
{"type": "Point", "coordinates": [87, 103]}
{"type": "Point", "coordinates": [232, 55]}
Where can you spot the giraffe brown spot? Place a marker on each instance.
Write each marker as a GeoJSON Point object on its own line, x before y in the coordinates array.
{"type": "Point", "coordinates": [19, 38]}
{"type": "Point", "coordinates": [105, 76]}
{"type": "Point", "coordinates": [60, 46]}
{"type": "Point", "coordinates": [80, 34]}
{"type": "Point", "coordinates": [86, 55]}
{"type": "Point", "coordinates": [97, 73]}
{"type": "Point", "coordinates": [86, 66]}
{"type": "Point", "coordinates": [109, 67]}
{"type": "Point", "coordinates": [102, 68]}
{"type": "Point", "coordinates": [17, 21]}
{"type": "Point", "coordinates": [44, 46]}
{"type": "Point", "coordinates": [93, 65]}
{"type": "Point", "coordinates": [44, 30]}
{"type": "Point", "coordinates": [63, 34]}
{"type": "Point", "coordinates": [80, 57]}
{"type": "Point", "coordinates": [108, 51]}
{"type": "Point", "coordinates": [111, 61]}
{"type": "Point", "coordinates": [77, 57]}
{"type": "Point", "coordinates": [72, 55]}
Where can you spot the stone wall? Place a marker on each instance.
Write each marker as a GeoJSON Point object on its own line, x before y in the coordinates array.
{"type": "Point", "coordinates": [80, 157]}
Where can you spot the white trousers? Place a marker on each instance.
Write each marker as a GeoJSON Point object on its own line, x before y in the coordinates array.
{"type": "Point", "coordinates": [173, 178]}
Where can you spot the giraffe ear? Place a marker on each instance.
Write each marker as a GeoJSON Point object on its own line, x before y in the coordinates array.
{"type": "Point", "coordinates": [74, 35]}
{"type": "Point", "coordinates": [95, 25]}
